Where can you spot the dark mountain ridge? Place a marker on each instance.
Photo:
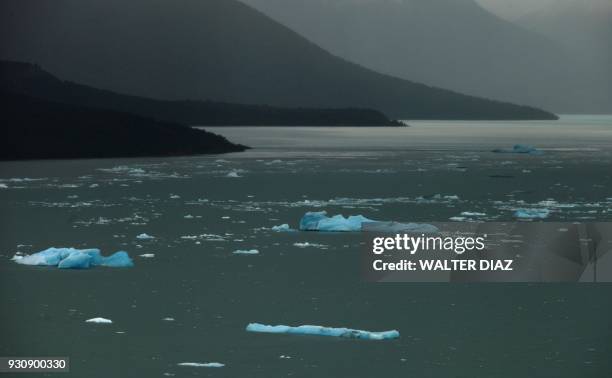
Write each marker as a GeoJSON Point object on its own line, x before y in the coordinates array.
{"type": "Point", "coordinates": [33, 128]}
{"type": "Point", "coordinates": [33, 81]}
{"type": "Point", "coordinates": [215, 49]}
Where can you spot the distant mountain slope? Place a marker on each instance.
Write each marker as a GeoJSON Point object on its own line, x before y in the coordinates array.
{"type": "Point", "coordinates": [38, 129]}
{"type": "Point", "coordinates": [214, 49]}
{"type": "Point", "coordinates": [33, 81]}
{"type": "Point", "coordinates": [585, 29]}
{"type": "Point", "coordinates": [454, 44]}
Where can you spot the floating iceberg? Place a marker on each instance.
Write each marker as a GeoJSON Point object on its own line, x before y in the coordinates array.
{"type": "Point", "coordinates": [520, 149]}
{"type": "Point", "coordinates": [323, 331]}
{"type": "Point", "coordinates": [144, 236]}
{"type": "Point", "coordinates": [319, 221]}
{"type": "Point", "coordinates": [202, 364]}
{"type": "Point", "coordinates": [532, 213]}
{"type": "Point", "coordinates": [246, 252]}
{"type": "Point", "coordinates": [72, 258]}
{"type": "Point", "coordinates": [99, 321]}
{"type": "Point", "coordinates": [282, 228]}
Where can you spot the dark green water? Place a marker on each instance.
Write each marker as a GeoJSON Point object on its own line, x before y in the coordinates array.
{"type": "Point", "coordinates": [485, 330]}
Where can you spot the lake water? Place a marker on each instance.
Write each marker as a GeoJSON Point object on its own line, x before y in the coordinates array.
{"type": "Point", "coordinates": [199, 215]}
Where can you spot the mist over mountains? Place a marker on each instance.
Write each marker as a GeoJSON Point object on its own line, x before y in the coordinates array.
{"type": "Point", "coordinates": [220, 50]}
{"type": "Point", "coordinates": [459, 45]}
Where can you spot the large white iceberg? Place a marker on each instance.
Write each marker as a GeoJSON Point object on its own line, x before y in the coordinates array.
{"type": "Point", "coordinates": [323, 331]}
{"type": "Point", "coordinates": [319, 221]}
{"type": "Point", "coordinates": [72, 258]}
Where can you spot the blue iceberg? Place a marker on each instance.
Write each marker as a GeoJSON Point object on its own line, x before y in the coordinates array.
{"type": "Point", "coordinates": [323, 331]}
{"type": "Point", "coordinates": [532, 213]}
{"type": "Point", "coordinates": [520, 149]}
{"type": "Point", "coordinates": [319, 221]}
{"type": "Point", "coordinates": [72, 258]}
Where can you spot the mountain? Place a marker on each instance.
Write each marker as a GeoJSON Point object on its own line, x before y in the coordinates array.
{"type": "Point", "coordinates": [214, 49]}
{"type": "Point", "coordinates": [31, 80]}
{"type": "Point", "coordinates": [455, 44]}
{"type": "Point", "coordinates": [38, 129]}
{"type": "Point", "coordinates": [584, 28]}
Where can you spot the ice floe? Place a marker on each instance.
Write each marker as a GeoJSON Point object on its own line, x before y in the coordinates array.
{"type": "Point", "coordinates": [246, 252]}
{"type": "Point", "coordinates": [323, 331]}
{"type": "Point", "coordinates": [233, 174]}
{"type": "Point", "coordinates": [202, 364]}
{"type": "Point", "coordinates": [72, 258]}
{"type": "Point", "coordinates": [147, 255]}
{"type": "Point", "coordinates": [99, 321]}
{"type": "Point", "coordinates": [532, 213]}
{"type": "Point", "coordinates": [282, 228]}
{"type": "Point", "coordinates": [319, 221]}
{"type": "Point", "coordinates": [144, 236]}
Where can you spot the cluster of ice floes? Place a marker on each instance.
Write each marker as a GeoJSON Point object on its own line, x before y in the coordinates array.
{"type": "Point", "coordinates": [206, 237]}
{"type": "Point", "coordinates": [134, 220]}
{"type": "Point", "coordinates": [309, 245]}
{"type": "Point", "coordinates": [520, 149]}
{"type": "Point", "coordinates": [72, 258]}
{"type": "Point", "coordinates": [323, 331]}
{"type": "Point", "coordinates": [76, 204]}
{"type": "Point", "coordinates": [139, 172]}
{"type": "Point", "coordinates": [319, 221]}
{"type": "Point", "coordinates": [468, 216]}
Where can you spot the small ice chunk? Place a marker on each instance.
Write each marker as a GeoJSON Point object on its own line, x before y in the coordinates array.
{"type": "Point", "coordinates": [457, 219]}
{"type": "Point", "coordinates": [168, 319]}
{"type": "Point", "coordinates": [246, 252]}
{"type": "Point", "coordinates": [147, 255]}
{"type": "Point", "coordinates": [144, 236]}
{"type": "Point", "coordinates": [3, 186]}
{"type": "Point", "coordinates": [472, 214]}
{"type": "Point", "coordinates": [188, 216]}
{"type": "Point", "coordinates": [323, 331]}
{"type": "Point", "coordinates": [532, 213]}
{"type": "Point", "coordinates": [233, 174]}
{"type": "Point", "coordinates": [282, 228]}
{"type": "Point", "coordinates": [99, 321]}
{"type": "Point", "coordinates": [174, 196]}
{"type": "Point", "coordinates": [202, 364]}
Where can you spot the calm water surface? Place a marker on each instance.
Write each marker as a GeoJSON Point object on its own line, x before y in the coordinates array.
{"type": "Point", "coordinates": [429, 172]}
